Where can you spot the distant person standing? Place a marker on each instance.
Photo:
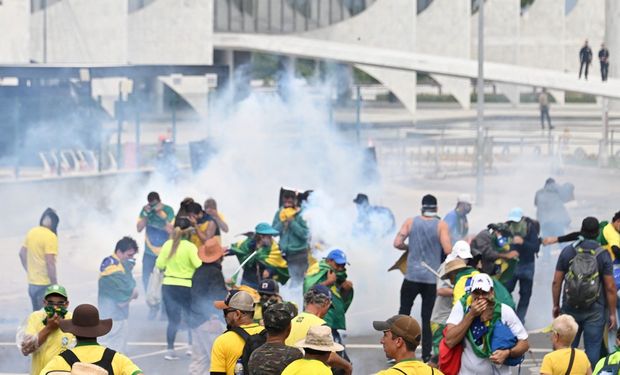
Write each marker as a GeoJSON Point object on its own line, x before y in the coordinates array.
{"type": "Point", "coordinates": [550, 211]}
{"type": "Point", "coordinates": [38, 257]}
{"type": "Point", "coordinates": [603, 58]}
{"type": "Point", "coordinates": [543, 102]}
{"type": "Point", "coordinates": [457, 218]}
{"type": "Point", "coordinates": [585, 58]}
{"type": "Point", "coordinates": [429, 240]}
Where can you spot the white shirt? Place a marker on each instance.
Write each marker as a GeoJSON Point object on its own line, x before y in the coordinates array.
{"type": "Point", "coordinates": [471, 364]}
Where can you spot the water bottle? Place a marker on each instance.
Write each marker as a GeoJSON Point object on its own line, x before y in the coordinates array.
{"type": "Point", "coordinates": [239, 367]}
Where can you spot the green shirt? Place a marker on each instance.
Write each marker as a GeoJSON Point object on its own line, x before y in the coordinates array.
{"type": "Point", "coordinates": [179, 269]}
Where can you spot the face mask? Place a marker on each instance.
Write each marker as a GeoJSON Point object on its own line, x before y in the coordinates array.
{"type": "Point", "coordinates": [341, 276]}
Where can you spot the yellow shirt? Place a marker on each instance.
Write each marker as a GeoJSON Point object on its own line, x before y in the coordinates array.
{"type": "Point", "coordinates": [556, 362]}
{"type": "Point", "coordinates": [459, 287]}
{"type": "Point", "coordinates": [300, 326]}
{"type": "Point", "coordinates": [307, 366]}
{"type": "Point", "coordinates": [92, 353]}
{"type": "Point", "coordinates": [228, 347]}
{"type": "Point", "coordinates": [179, 269]}
{"type": "Point", "coordinates": [39, 242]}
{"type": "Point", "coordinates": [612, 237]}
{"type": "Point", "coordinates": [57, 341]}
{"type": "Point", "coordinates": [410, 366]}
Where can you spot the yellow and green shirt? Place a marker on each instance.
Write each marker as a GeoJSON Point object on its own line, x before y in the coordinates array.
{"type": "Point", "coordinates": [39, 242]}
{"type": "Point", "coordinates": [228, 347]}
{"type": "Point", "coordinates": [57, 341]}
{"type": "Point", "coordinates": [179, 269]}
{"type": "Point", "coordinates": [92, 353]}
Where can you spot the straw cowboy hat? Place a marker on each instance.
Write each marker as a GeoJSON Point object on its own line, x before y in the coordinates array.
{"type": "Point", "coordinates": [81, 368]}
{"type": "Point", "coordinates": [453, 265]}
{"type": "Point", "coordinates": [320, 338]}
{"type": "Point", "coordinates": [86, 322]}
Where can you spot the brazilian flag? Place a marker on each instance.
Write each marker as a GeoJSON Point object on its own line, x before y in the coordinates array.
{"type": "Point", "coordinates": [270, 257]}
{"type": "Point", "coordinates": [317, 273]}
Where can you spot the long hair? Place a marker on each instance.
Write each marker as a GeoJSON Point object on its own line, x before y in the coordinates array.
{"type": "Point", "coordinates": [182, 227]}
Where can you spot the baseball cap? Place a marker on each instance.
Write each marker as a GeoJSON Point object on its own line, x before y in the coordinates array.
{"type": "Point", "coordinates": [337, 256]}
{"type": "Point", "coordinates": [461, 249]}
{"type": "Point", "coordinates": [401, 325]}
{"type": "Point", "coordinates": [590, 227]}
{"type": "Point", "coordinates": [278, 316]}
{"type": "Point", "coordinates": [464, 198]}
{"type": "Point", "coordinates": [481, 281]}
{"type": "Point", "coordinates": [264, 228]}
{"type": "Point", "coordinates": [515, 214]}
{"type": "Point", "coordinates": [268, 286]}
{"type": "Point", "coordinates": [322, 290]}
{"type": "Point", "coordinates": [360, 198]}
{"type": "Point", "coordinates": [429, 202]}
{"type": "Point", "coordinates": [236, 299]}
{"type": "Point", "coordinates": [56, 289]}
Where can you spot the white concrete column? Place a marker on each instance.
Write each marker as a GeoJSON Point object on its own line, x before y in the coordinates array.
{"type": "Point", "coordinates": [15, 40]}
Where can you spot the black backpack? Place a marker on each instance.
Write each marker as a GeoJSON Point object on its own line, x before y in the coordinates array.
{"type": "Point", "coordinates": [582, 284]}
{"type": "Point", "coordinates": [105, 362]}
{"type": "Point", "coordinates": [609, 369]}
{"type": "Point", "coordinates": [252, 342]}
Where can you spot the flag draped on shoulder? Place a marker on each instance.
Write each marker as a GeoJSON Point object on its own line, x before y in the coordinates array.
{"type": "Point", "coordinates": [316, 274]}
{"type": "Point", "coordinates": [270, 257]}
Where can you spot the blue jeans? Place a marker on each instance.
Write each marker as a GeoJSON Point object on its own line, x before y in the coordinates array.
{"type": "Point", "coordinates": [37, 294]}
{"type": "Point", "coordinates": [148, 263]}
{"type": "Point", "coordinates": [592, 325]}
{"type": "Point", "coordinates": [524, 274]}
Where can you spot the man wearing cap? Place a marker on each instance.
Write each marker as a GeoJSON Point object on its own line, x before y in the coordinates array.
{"type": "Point", "coordinates": [117, 288]}
{"type": "Point", "coordinates": [41, 337]}
{"type": "Point", "coordinates": [260, 257]}
{"type": "Point", "coordinates": [592, 318]}
{"type": "Point", "coordinates": [294, 236]}
{"type": "Point", "coordinates": [372, 220]}
{"type": "Point", "coordinates": [318, 346]}
{"type": "Point", "coordinates": [457, 218]}
{"type": "Point", "coordinates": [525, 241]}
{"type": "Point", "coordinates": [401, 337]}
{"type": "Point", "coordinates": [429, 241]}
{"type": "Point", "coordinates": [86, 326]}
{"type": "Point", "coordinates": [474, 320]}
{"type": "Point", "coordinates": [228, 347]}
{"type": "Point", "coordinates": [38, 257]}
{"type": "Point", "coordinates": [269, 293]}
{"type": "Point", "coordinates": [317, 301]}
{"type": "Point", "coordinates": [272, 357]}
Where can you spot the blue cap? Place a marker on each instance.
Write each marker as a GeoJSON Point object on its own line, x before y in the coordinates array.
{"type": "Point", "coordinates": [264, 228]}
{"type": "Point", "coordinates": [322, 289]}
{"type": "Point", "coordinates": [338, 256]}
{"type": "Point", "coordinates": [515, 214]}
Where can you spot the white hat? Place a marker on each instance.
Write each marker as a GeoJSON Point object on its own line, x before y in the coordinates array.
{"type": "Point", "coordinates": [320, 338]}
{"type": "Point", "coordinates": [461, 249]}
{"type": "Point", "coordinates": [481, 281]}
{"type": "Point", "coordinates": [464, 198]}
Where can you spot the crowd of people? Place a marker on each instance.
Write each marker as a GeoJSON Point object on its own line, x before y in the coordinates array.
{"type": "Point", "coordinates": [469, 323]}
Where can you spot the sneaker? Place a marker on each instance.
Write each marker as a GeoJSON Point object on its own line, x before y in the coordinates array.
{"type": "Point", "coordinates": [171, 355]}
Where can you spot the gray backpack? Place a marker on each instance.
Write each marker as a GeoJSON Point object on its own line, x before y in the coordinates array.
{"type": "Point", "coordinates": [582, 285]}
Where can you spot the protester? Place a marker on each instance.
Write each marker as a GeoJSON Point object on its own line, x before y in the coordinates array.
{"type": "Point", "coordinates": [564, 359]}
{"type": "Point", "coordinates": [611, 362]}
{"type": "Point", "coordinates": [157, 218]}
{"type": "Point", "coordinates": [206, 321]}
{"type": "Point", "coordinates": [272, 357]}
{"type": "Point", "coordinates": [178, 260]}
{"type": "Point", "coordinates": [475, 320]}
{"type": "Point", "coordinates": [117, 288]}
{"type": "Point", "coordinates": [42, 336]}
{"type": "Point", "coordinates": [372, 220]}
{"type": "Point", "coordinates": [457, 218]}
{"type": "Point", "coordinates": [584, 272]}
{"type": "Point", "coordinates": [525, 241]}
{"type": "Point", "coordinates": [318, 346]}
{"type": "Point", "coordinates": [401, 337]}
{"type": "Point", "coordinates": [38, 257]}
{"type": "Point", "coordinates": [429, 240]}
{"type": "Point", "coordinates": [86, 326]}
{"type": "Point", "coordinates": [210, 207]}
{"type": "Point", "coordinates": [332, 273]}
{"type": "Point", "coordinates": [610, 237]}
{"type": "Point", "coordinates": [496, 257]}
{"type": "Point", "coordinates": [603, 58]}
{"type": "Point", "coordinates": [294, 236]}
{"type": "Point", "coordinates": [585, 58]}
{"type": "Point", "coordinates": [269, 293]}
{"type": "Point", "coordinates": [550, 211]}
{"type": "Point", "coordinates": [203, 228]}
{"type": "Point", "coordinates": [227, 349]}
{"type": "Point", "coordinates": [260, 257]}
{"type": "Point", "coordinates": [543, 104]}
